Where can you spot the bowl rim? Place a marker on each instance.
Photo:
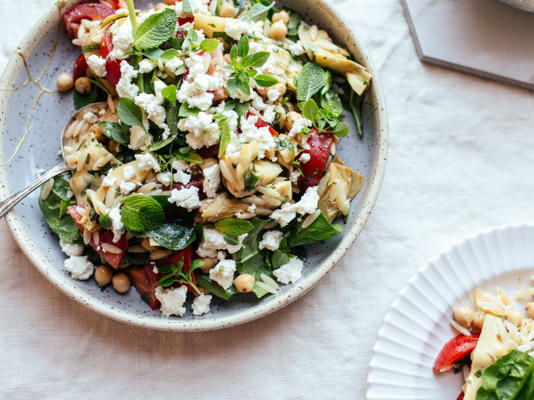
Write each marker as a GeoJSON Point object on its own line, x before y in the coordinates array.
{"type": "Point", "coordinates": [64, 283]}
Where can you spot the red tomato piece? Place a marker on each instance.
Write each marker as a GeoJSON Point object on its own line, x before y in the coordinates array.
{"type": "Point", "coordinates": [115, 4]}
{"type": "Point", "coordinates": [454, 350]}
{"type": "Point", "coordinates": [106, 45]}
{"type": "Point", "coordinates": [91, 11]}
{"type": "Point", "coordinates": [106, 236]}
{"type": "Point", "coordinates": [80, 67]}
{"type": "Point", "coordinates": [260, 123]}
{"type": "Point", "coordinates": [319, 151]}
{"type": "Point", "coordinates": [187, 255]}
{"type": "Point", "coordinates": [113, 67]}
{"type": "Point", "coordinates": [185, 20]}
{"type": "Point", "coordinates": [460, 396]}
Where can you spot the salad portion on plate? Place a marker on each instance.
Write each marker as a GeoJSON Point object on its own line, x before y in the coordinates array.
{"type": "Point", "coordinates": [207, 158]}
{"type": "Point", "coordinates": [495, 347]}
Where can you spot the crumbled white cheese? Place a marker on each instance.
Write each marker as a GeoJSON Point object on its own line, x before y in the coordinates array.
{"type": "Point", "coordinates": [185, 197]}
{"type": "Point", "coordinates": [213, 241]}
{"type": "Point", "coordinates": [299, 125]}
{"type": "Point", "coordinates": [266, 110]}
{"type": "Point", "coordinates": [273, 94]}
{"type": "Point", "coordinates": [172, 300]}
{"type": "Point", "coordinates": [127, 187]}
{"type": "Point", "coordinates": [294, 48]}
{"type": "Point", "coordinates": [174, 66]}
{"type": "Point", "coordinates": [125, 87]}
{"type": "Point", "coordinates": [212, 180]}
{"type": "Point", "coordinates": [122, 38]}
{"type": "Point", "coordinates": [249, 133]}
{"type": "Point", "coordinates": [116, 223]}
{"type": "Point", "coordinates": [201, 304]}
{"type": "Point", "coordinates": [128, 171]}
{"type": "Point", "coordinates": [97, 64]}
{"type": "Point", "coordinates": [182, 177]}
{"type": "Point", "coordinates": [164, 178]}
{"type": "Point", "coordinates": [79, 267]}
{"type": "Point", "coordinates": [108, 180]}
{"type": "Point", "coordinates": [146, 66]}
{"type": "Point", "coordinates": [236, 27]}
{"type": "Point", "coordinates": [271, 240]}
{"type": "Point", "coordinates": [153, 105]}
{"type": "Point", "coordinates": [304, 158]}
{"type": "Point", "coordinates": [179, 165]}
{"type": "Point", "coordinates": [306, 205]}
{"type": "Point", "coordinates": [203, 131]}
{"type": "Point", "coordinates": [289, 272]}
{"type": "Point", "coordinates": [223, 273]}
{"type": "Point", "coordinates": [147, 162]}
{"type": "Point", "coordinates": [71, 249]}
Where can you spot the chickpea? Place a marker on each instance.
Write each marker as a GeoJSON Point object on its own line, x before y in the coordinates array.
{"type": "Point", "coordinates": [227, 10]}
{"type": "Point", "coordinates": [121, 283]}
{"type": "Point", "coordinates": [516, 317]}
{"type": "Point", "coordinates": [278, 31]}
{"type": "Point", "coordinates": [244, 283]}
{"type": "Point", "coordinates": [530, 310]}
{"type": "Point", "coordinates": [464, 316]}
{"type": "Point", "coordinates": [291, 117]}
{"type": "Point", "coordinates": [281, 16]}
{"type": "Point", "coordinates": [478, 320]}
{"type": "Point", "coordinates": [83, 85]}
{"type": "Point", "coordinates": [64, 82]}
{"type": "Point", "coordinates": [103, 275]}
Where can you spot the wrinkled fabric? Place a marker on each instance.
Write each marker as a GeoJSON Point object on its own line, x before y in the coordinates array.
{"type": "Point", "coordinates": [460, 161]}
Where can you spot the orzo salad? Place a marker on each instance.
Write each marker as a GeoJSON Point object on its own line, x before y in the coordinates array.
{"type": "Point", "coordinates": [208, 159]}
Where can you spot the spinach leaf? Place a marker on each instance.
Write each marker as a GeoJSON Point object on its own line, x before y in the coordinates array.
{"type": "Point", "coordinates": [250, 244]}
{"type": "Point", "coordinates": [53, 210]}
{"type": "Point", "coordinates": [115, 132]}
{"type": "Point", "coordinates": [186, 111]}
{"type": "Point", "coordinates": [155, 30]}
{"type": "Point", "coordinates": [173, 236]}
{"type": "Point", "coordinates": [318, 231]}
{"type": "Point", "coordinates": [130, 259]}
{"type": "Point", "coordinates": [233, 226]}
{"type": "Point", "coordinates": [141, 213]}
{"type": "Point", "coordinates": [129, 113]}
{"type": "Point", "coordinates": [279, 258]}
{"type": "Point", "coordinates": [528, 389]}
{"type": "Point", "coordinates": [311, 79]}
{"type": "Point", "coordinates": [505, 378]}
{"type": "Point", "coordinates": [214, 288]}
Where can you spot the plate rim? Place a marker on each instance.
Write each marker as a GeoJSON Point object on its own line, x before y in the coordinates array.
{"type": "Point", "coordinates": [47, 21]}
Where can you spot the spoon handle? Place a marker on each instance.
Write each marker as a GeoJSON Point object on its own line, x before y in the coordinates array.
{"type": "Point", "coordinates": [10, 202]}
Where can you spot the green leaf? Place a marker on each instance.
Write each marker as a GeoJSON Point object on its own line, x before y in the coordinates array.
{"type": "Point", "coordinates": [258, 12]}
{"type": "Point", "coordinates": [60, 223]}
{"type": "Point", "coordinates": [169, 53]}
{"type": "Point", "coordinates": [311, 79]}
{"type": "Point", "coordinates": [155, 30]}
{"type": "Point", "coordinates": [293, 25]}
{"type": "Point", "coordinates": [169, 93]}
{"type": "Point", "coordinates": [153, 54]}
{"type": "Point", "coordinates": [225, 136]}
{"type": "Point", "coordinates": [255, 60]}
{"type": "Point", "coordinates": [129, 113]}
{"type": "Point", "coordinates": [186, 111]}
{"type": "Point", "coordinates": [251, 180]}
{"type": "Point", "coordinates": [233, 226]}
{"type": "Point", "coordinates": [114, 131]}
{"type": "Point", "coordinates": [187, 154]}
{"type": "Point", "coordinates": [214, 288]}
{"type": "Point", "coordinates": [250, 245]}
{"type": "Point", "coordinates": [90, 48]}
{"type": "Point", "coordinates": [81, 100]}
{"type": "Point", "coordinates": [161, 144]}
{"type": "Point", "coordinates": [105, 221]}
{"type": "Point", "coordinates": [209, 45]}
{"type": "Point", "coordinates": [332, 99]}
{"type": "Point", "coordinates": [176, 43]}
{"type": "Point", "coordinates": [278, 259]}
{"type": "Point", "coordinates": [242, 46]}
{"type": "Point", "coordinates": [173, 236]}
{"type": "Point", "coordinates": [189, 6]}
{"type": "Point", "coordinates": [318, 231]}
{"type": "Point", "coordinates": [232, 85]}
{"type": "Point", "coordinates": [141, 213]}
{"type": "Point", "coordinates": [506, 377]}
{"type": "Point", "coordinates": [310, 110]}
{"type": "Point", "coordinates": [265, 80]}
{"type": "Point", "coordinates": [255, 266]}
{"type": "Point", "coordinates": [341, 129]}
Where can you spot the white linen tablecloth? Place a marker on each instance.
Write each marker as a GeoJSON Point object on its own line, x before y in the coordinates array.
{"type": "Point", "coordinates": [460, 161]}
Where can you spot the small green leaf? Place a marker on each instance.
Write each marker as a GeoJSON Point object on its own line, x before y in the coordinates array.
{"type": "Point", "coordinates": [114, 131]}
{"type": "Point", "coordinates": [255, 60]}
{"type": "Point", "coordinates": [196, 264]}
{"type": "Point", "coordinates": [251, 180]}
{"type": "Point", "coordinates": [169, 93]}
{"type": "Point", "coordinates": [293, 25]}
{"type": "Point", "coordinates": [186, 111]}
{"type": "Point", "coordinates": [189, 6]}
{"type": "Point", "coordinates": [173, 236]}
{"type": "Point", "coordinates": [129, 113]}
{"type": "Point", "coordinates": [187, 154]}
{"type": "Point", "coordinates": [258, 12]}
{"type": "Point", "coordinates": [242, 46]}
{"type": "Point", "coordinates": [155, 30]}
{"type": "Point", "coordinates": [318, 231]}
{"type": "Point", "coordinates": [233, 226]}
{"type": "Point", "coordinates": [81, 100]}
{"type": "Point", "coordinates": [225, 136]}
{"type": "Point", "coordinates": [234, 53]}
{"type": "Point", "coordinates": [214, 288]}
{"type": "Point", "coordinates": [141, 213]}
{"type": "Point", "coordinates": [105, 221]}
{"type": "Point", "coordinates": [169, 53]}
{"type": "Point", "coordinates": [341, 129]}
{"type": "Point", "coordinates": [311, 79]}
{"type": "Point", "coordinates": [153, 54]}
{"type": "Point", "coordinates": [310, 110]}
{"type": "Point", "coordinates": [209, 45]}
{"type": "Point", "coordinates": [265, 80]}
{"type": "Point", "coordinates": [232, 85]}
{"type": "Point", "coordinates": [90, 48]}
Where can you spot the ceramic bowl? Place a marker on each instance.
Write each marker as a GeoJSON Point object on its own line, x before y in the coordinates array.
{"type": "Point", "coordinates": [40, 151]}
{"type": "Point", "coordinates": [525, 5]}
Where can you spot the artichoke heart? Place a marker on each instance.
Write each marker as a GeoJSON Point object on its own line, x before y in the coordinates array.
{"type": "Point", "coordinates": [220, 207]}
{"type": "Point", "coordinates": [337, 188]}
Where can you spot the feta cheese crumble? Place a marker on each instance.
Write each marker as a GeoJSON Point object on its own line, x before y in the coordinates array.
{"type": "Point", "coordinates": [213, 241]}
{"type": "Point", "coordinates": [212, 180]}
{"type": "Point", "coordinates": [289, 272]}
{"type": "Point", "coordinates": [125, 87]}
{"type": "Point", "coordinates": [146, 66]}
{"type": "Point", "coordinates": [201, 304]}
{"type": "Point", "coordinates": [186, 198]}
{"type": "Point", "coordinates": [172, 300]}
{"type": "Point", "coordinates": [261, 135]}
{"type": "Point", "coordinates": [153, 106]}
{"type": "Point", "coordinates": [223, 273]}
{"type": "Point", "coordinates": [203, 131]}
{"type": "Point", "coordinates": [129, 172]}
{"type": "Point", "coordinates": [306, 205]}
{"type": "Point", "coordinates": [147, 162]}
{"type": "Point", "coordinates": [71, 249]}
{"type": "Point", "coordinates": [97, 64]}
{"type": "Point", "coordinates": [80, 268]}
{"type": "Point", "coordinates": [299, 125]}
{"type": "Point", "coordinates": [116, 223]}
{"type": "Point", "coordinates": [271, 240]}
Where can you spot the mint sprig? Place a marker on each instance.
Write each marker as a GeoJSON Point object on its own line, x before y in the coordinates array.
{"type": "Point", "coordinates": [141, 213]}
{"type": "Point", "coordinates": [175, 273]}
{"type": "Point", "coordinates": [155, 30]}
{"type": "Point", "coordinates": [325, 119]}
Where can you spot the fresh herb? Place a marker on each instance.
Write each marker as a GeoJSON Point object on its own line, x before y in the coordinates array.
{"type": "Point", "coordinates": [214, 288]}
{"type": "Point", "coordinates": [155, 30]}
{"type": "Point", "coordinates": [186, 111]}
{"type": "Point", "coordinates": [240, 108]}
{"type": "Point", "coordinates": [250, 246]}
{"type": "Point", "coordinates": [265, 80]}
{"type": "Point", "coordinates": [173, 236]}
{"type": "Point", "coordinates": [318, 231]}
{"type": "Point", "coordinates": [129, 113]}
{"type": "Point", "coordinates": [82, 100]}
{"type": "Point", "coordinates": [53, 211]}
{"type": "Point", "coordinates": [175, 273]}
{"type": "Point", "coordinates": [233, 226]}
{"type": "Point", "coordinates": [115, 131]}
{"type": "Point", "coordinates": [169, 93]}
{"type": "Point", "coordinates": [105, 221]}
{"type": "Point", "coordinates": [187, 154]}
{"type": "Point", "coordinates": [251, 180]}
{"type": "Point", "coordinates": [225, 134]}
{"type": "Point", "coordinates": [293, 26]}
{"type": "Point", "coordinates": [258, 12]}
{"type": "Point", "coordinates": [209, 45]}
{"type": "Point", "coordinates": [279, 258]}
{"type": "Point", "coordinates": [310, 80]}
{"type": "Point", "coordinates": [141, 213]}
{"type": "Point", "coordinates": [189, 6]}
{"type": "Point", "coordinates": [131, 12]}
{"type": "Point", "coordinates": [324, 119]}
{"type": "Point", "coordinates": [90, 48]}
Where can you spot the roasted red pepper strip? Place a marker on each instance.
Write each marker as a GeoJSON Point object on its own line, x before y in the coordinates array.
{"type": "Point", "coordinates": [454, 350]}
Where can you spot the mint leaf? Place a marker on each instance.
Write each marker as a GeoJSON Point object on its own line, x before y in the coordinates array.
{"type": "Point", "coordinates": [214, 288]}
{"type": "Point", "coordinates": [141, 213]}
{"type": "Point", "coordinates": [129, 113]}
{"type": "Point", "coordinates": [173, 236]}
{"type": "Point", "coordinates": [250, 246]}
{"type": "Point", "coordinates": [187, 154]}
{"type": "Point", "coordinates": [209, 45]}
{"type": "Point", "coordinates": [153, 54]}
{"type": "Point", "coordinates": [155, 30]}
{"type": "Point", "coordinates": [265, 80]}
{"type": "Point", "coordinates": [258, 12]}
{"type": "Point", "coordinates": [186, 111]}
{"type": "Point", "coordinates": [310, 80]}
{"type": "Point", "coordinates": [169, 93]}
{"type": "Point", "coordinates": [114, 131]}
{"type": "Point", "coordinates": [233, 226]}
{"type": "Point", "coordinates": [310, 110]}
{"type": "Point", "coordinates": [169, 53]}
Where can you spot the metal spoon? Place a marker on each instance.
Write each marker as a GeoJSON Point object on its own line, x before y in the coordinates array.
{"type": "Point", "coordinates": [11, 201]}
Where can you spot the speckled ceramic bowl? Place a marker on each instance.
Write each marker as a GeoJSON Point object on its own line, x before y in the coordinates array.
{"type": "Point", "coordinates": [40, 150]}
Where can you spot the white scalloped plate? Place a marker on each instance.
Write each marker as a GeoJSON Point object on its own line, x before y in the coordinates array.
{"type": "Point", "coordinates": [417, 324]}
